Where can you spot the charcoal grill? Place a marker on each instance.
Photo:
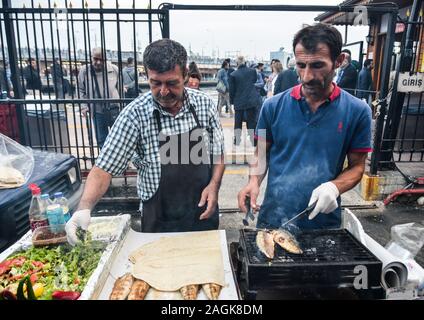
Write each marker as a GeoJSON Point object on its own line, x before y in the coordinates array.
{"type": "Point", "coordinates": [325, 269]}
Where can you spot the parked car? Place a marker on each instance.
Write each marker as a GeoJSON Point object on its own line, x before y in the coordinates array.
{"type": "Point", "coordinates": [53, 172]}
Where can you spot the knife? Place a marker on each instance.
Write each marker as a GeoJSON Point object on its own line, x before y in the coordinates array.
{"type": "Point", "coordinates": [301, 214]}
{"type": "Point", "coordinates": [249, 213]}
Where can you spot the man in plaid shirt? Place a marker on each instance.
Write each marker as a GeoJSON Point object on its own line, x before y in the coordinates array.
{"type": "Point", "coordinates": [173, 136]}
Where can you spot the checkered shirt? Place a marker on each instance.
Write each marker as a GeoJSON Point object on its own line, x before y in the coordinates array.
{"type": "Point", "coordinates": [135, 137]}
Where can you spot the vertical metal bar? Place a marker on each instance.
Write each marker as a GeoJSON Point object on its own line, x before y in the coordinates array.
{"type": "Point", "coordinates": [416, 128]}
{"type": "Point", "coordinates": [48, 82]}
{"type": "Point", "coordinates": [20, 68]}
{"type": "Point", "coordinates": [70, 84]}
{"type": "Point", "coordinates": [150, 23]}
{"type": "Point", "coordinates": [57, 90]}
{"type": "Point", "coordinates": [78, 93]}
{"type": "Point", "coordinates": [165, 24]}
{"type": "Point", "coordinates": [384, 86]}
{"type": "Point", "coordinates": [118, 30]}
{"type": "Point", "coordinates": [32, 78]}
{"type": "Point", "coordinates": [92, 107]}
{"type": "Point", "coordinates": [361, 56]}
{"type": "Point", "coordinates": [402, 136]}
{"type": "Point", "coordinates": [16, 72]}
{"type": "Point", "coordinates": [135, 50]}
{"type": "Point", "coordinates": [53, 59]}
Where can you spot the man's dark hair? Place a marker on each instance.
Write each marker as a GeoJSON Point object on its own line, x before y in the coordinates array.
{"type": "Point", "coordinates": [367, 63]}
{"type": "Point", "coordinates": [311, 36]}
{"type": "Point", "coordinates": [130, 60]}
{"type": "Point", "coordinates": [225, 63]}
{"type": "Point", "coordinates": [228, 60]}
{"type": "Point", "coordinates": [163, 55]}
{"type": "Point", "coordinates": [30, 59]}
{"type": "Point", "coordinates": [193, 71]}
{"type": "Point", "coordinates": [347, 51]}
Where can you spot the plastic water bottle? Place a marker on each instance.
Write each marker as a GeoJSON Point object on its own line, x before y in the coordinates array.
{"type": "Point", "coordinates": [45, 201]}
{"type": "Point", "coordinates": [63, 202]}
{"type": "Point", "coordinates": [37, 216]}
{"type": "Point", "coordinates": [55, 215]}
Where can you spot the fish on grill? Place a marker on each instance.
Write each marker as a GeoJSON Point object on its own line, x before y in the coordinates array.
{"type": "Point", "coordinates": [190, 292]}
{"type": "Point", "coordinates": [212, 290]}
{"type": "Point", "coordinates": [122, 287]}
{"type": "Point", "coordinates": [265, 243]}
{"type": "Point", "coordinates": [286, 241]}
{"type": "Point", "coordinates": [139, 290]}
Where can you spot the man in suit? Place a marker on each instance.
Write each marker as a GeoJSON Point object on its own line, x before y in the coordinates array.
{"type": "Point", "coordinates": [245, 98]}
{"type": "Point", "coordinates": [347, 76]}
{"type": "Point", "coordinates": [365, 80]}
{"type": "Point", "coordinates": [286, 79]}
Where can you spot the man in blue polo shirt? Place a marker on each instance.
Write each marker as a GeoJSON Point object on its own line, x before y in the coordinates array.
{"type": "Point", "coordinates": [304, 135]}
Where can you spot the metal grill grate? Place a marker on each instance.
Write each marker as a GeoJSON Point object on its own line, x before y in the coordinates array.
{"type": "Point", "coordinates": [319, 246]}
{"type": "Point", "coordinates": [329, 260]}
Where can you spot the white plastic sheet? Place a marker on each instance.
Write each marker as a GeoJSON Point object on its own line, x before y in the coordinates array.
{"type": "Point", "coordinates": [394, 272]}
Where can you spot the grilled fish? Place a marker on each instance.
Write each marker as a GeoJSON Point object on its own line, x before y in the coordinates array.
{"type": "Point", "coordinates": [286, 241]}
{"type": "Point", "coordinates": [138, 290]}
{"type": "Point", "coordinates": [190, 292]}
{"type": "Point", "coordinates": [265, 242]}
{"type": "Point", "coordinates": [122, 287]}
{"type": "Point", "coordinates": [212, 290]}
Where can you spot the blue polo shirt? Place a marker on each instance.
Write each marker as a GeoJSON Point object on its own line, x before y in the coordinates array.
{"type": "Point", "coordinates": [308, 149]}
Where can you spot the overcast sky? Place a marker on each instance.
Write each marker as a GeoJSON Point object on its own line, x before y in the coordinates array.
{"type": "Point", "coordinates": [212, 33]}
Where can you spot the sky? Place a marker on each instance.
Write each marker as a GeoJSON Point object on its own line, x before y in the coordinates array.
{"type": "Point", "coordinates": [213, 33]}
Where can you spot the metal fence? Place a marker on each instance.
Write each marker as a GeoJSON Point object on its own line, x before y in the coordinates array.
{"type": "Point", "coordinates": [402, 138]}
{"type": "Point", "coordinates": [43, 106]}
{"type": "Point", "coordinates": [50, 115]}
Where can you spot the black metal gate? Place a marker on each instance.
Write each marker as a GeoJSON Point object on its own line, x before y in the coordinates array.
{"type": "Point", "coordinates": [44, 109]}
{"type": "Point", "coordinates": [401, 133]}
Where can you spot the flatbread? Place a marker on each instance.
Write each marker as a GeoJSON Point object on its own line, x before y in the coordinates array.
{"type": "Point", "coordinates": [10, 177]}
{"type": "Point", "coordinates": [174, 262]}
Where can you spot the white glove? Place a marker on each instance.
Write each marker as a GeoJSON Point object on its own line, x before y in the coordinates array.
{"type": "Point", "coordinates": [326, 194]}
{"type": "Point", "coordinates": [80, 218]}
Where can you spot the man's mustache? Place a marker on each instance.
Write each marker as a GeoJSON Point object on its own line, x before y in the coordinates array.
{"type": "Point", "coordinates": [168, 97]}
{"type": "Point", "coordinates": [314, 83]}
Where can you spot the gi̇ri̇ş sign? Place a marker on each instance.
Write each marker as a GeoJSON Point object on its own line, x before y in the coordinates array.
{"type": "Point", "coordinates": [410, 82]}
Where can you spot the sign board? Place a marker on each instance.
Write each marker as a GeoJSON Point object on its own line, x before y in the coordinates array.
{"type": "Point", "coordinates": [410, 82]}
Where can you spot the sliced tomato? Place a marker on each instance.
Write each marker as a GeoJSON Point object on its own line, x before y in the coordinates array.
{"type": "Point", "coordinates": [33, 278]}
{"type": "Point", "coordinates": [5, 266]}
{"type": "Point", "coordinates": [18, 262]}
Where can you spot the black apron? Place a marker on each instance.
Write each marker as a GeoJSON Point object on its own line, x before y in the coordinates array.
{"type": "Point", "coordinates": [174, 206]}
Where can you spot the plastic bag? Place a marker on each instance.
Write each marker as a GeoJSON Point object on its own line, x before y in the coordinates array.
{"type": "Point", "coordinates": [16, 163]}
{"type": "Point", "coordinates": [408, 236]}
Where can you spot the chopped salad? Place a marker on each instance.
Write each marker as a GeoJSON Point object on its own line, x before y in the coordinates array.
{"type": "Point", "coordinates": [59, 272]}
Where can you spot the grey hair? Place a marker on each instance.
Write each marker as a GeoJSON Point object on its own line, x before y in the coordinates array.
{"type": "Point", "coordinates": [291, 63]}
{"type": "Point", "coordinates": [96, 50]}
{"type": "Point", "coordinates": [240, 60]}
{"type": "Point", "coordinates": [163, 55]}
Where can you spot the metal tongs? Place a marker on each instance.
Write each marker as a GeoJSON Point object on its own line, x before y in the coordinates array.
{"type": "Point", "coordinates": [301, 214]}
{"type": "Point", "coordinates": [249, 213]}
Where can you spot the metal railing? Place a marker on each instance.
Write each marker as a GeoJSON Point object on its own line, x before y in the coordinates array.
{"type": "Point", "coordinates": [45, 103]}
{"type": "Point", "coordinates": [401, 132]}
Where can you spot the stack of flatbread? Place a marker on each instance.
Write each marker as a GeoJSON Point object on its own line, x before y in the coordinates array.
{"type": "Point", "coordinates": [10, 177]}
{"type": "Point", "coordinates": [182, 264]}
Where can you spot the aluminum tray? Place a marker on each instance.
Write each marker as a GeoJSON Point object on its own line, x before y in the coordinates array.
{"type": "Point", "coordinates": [121, 226]}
